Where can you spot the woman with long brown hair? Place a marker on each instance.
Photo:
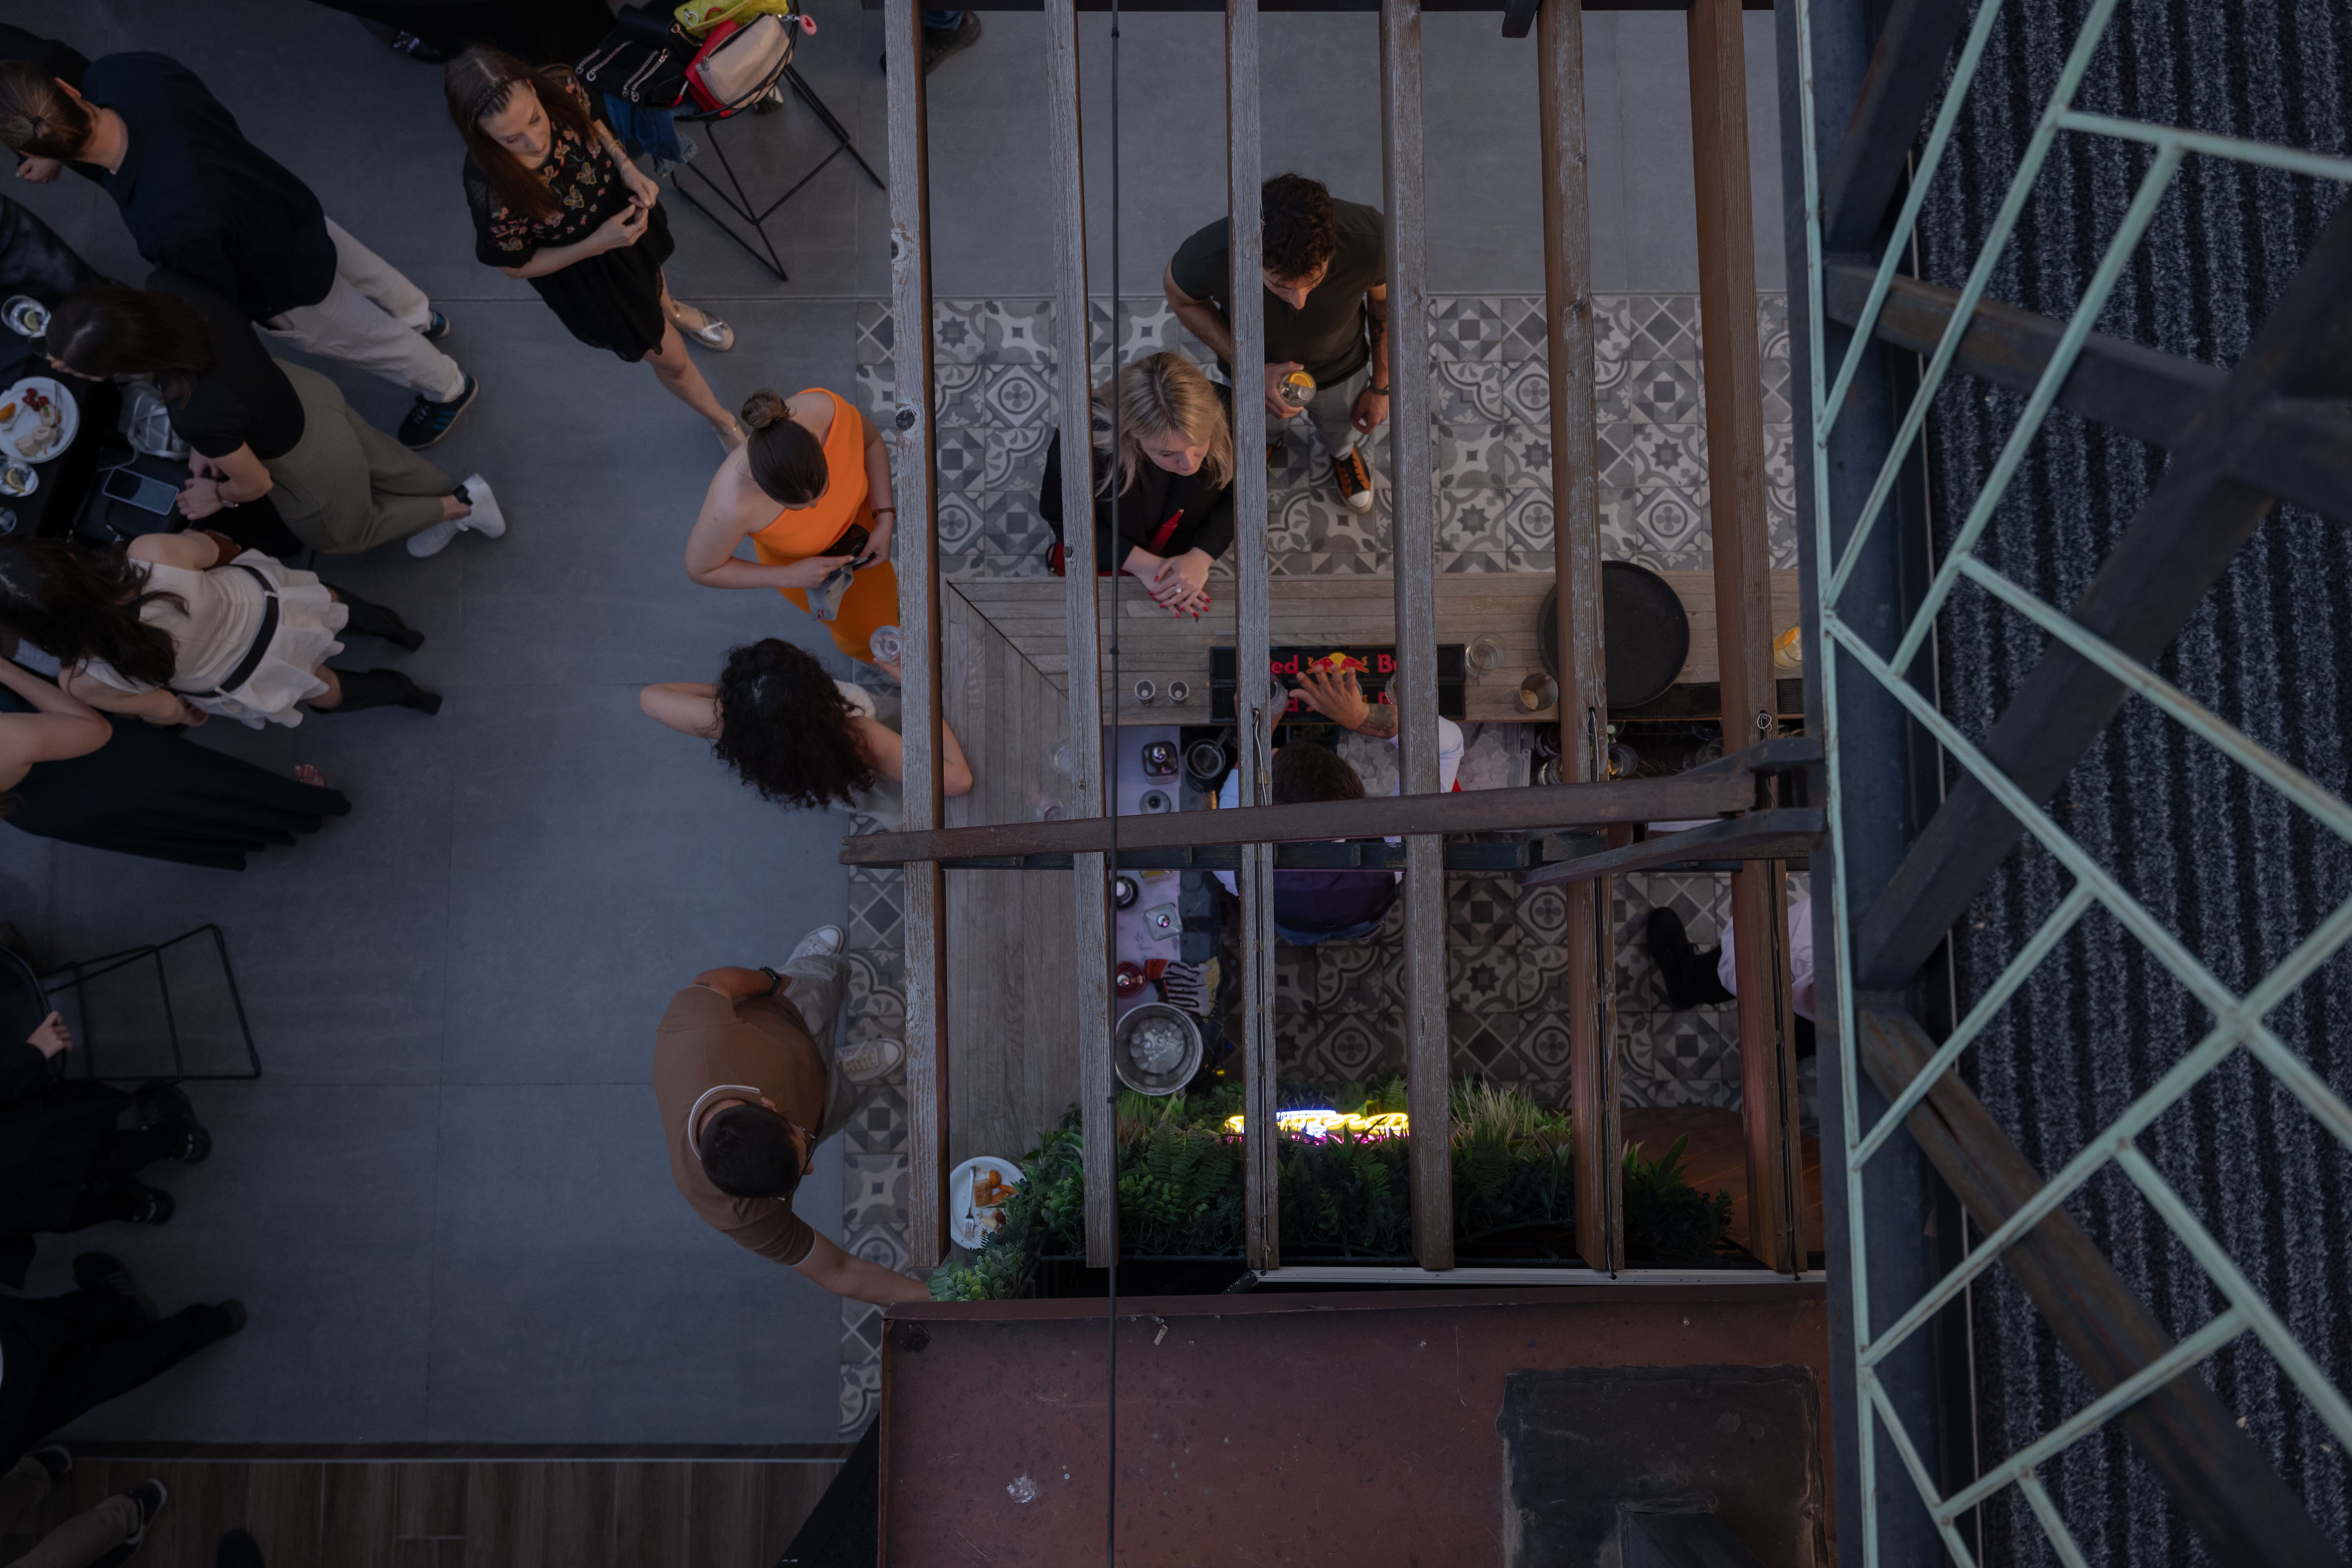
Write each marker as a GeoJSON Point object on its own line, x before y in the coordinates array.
{"type": "Point", "coordinates": [1164, 499]}
{"type": "Point", "coordinates": [557, 203]}
{"type": "Point", "coordinates": [181, 627]}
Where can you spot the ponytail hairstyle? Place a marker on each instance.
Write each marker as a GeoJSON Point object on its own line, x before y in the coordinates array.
{"type": "Point", "coordinates": [784, 727]}
{"type": "Point", "coordinates": [482, 82]}
{"type": "Point", "coordinates": [111, 331]}
{"type": "Point", "coordinates": [1164, 395]}
{"type": "Point", "coordinates": [84, 608]}
{"type": "Point", "coordinates": [787, 459]}
{"type": "Point", "coordinates": [38, 117]}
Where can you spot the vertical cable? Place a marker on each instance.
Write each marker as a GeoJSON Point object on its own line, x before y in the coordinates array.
{"type": "Point", "coordinates": [1117, 455]}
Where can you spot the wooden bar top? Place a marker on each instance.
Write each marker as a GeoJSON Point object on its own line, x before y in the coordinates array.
{"type": "Point", "coordinates": [1029, 613]}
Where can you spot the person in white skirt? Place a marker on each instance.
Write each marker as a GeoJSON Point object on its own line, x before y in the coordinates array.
{"type": "Point", "coordinates": [182, 627]}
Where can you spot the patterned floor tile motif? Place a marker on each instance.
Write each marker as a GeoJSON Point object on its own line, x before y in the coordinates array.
{"type": "Point", "coordinates": [873, 1146]}
{"type": "Point", "coordinates": [1490, 410]}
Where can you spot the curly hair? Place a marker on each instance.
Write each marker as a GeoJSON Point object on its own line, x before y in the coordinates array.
{"type": "Point", "coordinates": [1302, 230]}
{"type": "Point", "coordinates": [784, 728]}
{"type": "Point", "coordinates": [84, 607]}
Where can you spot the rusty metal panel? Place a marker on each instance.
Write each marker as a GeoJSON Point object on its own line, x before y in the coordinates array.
{"type": "Point", "coordinates": [1352, 1429]}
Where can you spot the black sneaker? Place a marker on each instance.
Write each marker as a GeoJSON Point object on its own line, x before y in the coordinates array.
{"type": "Point", "coordinates": [196, 1145]}
{"type": "Point", "coordinates": [1354, 478]}
{"type": "Point", "coordinates": [939, 43]}
{"type": "Point", "coordinates": [149, 1498]}
{"type": "Point", "coordinates": [417, 48]}
{"type": "Point", "coordinates": [102, 1273]}
{"type": "Point", "coordinates": [57, 1459]}
{"type": "Point", "coordinates": [428, 421]}
{"type": "Point", "coordinates": [150, 1205]}
{"type": "Point", "coordinates": [436, 328]}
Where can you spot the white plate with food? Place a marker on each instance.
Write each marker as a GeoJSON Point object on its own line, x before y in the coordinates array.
{"type": "Point", "coordinates": [38, 419]}
{"type": "Point", "coordinates": [977, 1191]}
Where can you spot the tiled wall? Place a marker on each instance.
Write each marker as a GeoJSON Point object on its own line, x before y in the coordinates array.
{"type": "Point", "coordinates": [1489, 412]}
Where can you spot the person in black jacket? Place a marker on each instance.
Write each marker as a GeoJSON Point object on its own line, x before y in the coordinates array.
{"type": "Point", "coordinates": [202, 201]}
{"type": "Point", "coordinates": [65, 1162]}
{"type": "Point", "coordinates": [1172, 488]}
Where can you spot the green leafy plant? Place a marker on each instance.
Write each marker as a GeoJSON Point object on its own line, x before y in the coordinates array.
{"type": "Point", "coordinates": [1181, 1185]}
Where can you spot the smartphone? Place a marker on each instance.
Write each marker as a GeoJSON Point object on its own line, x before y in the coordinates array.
{"type": "Point", "coordinates": [852, 544]}
{"type": "Point", "coordinates": [146, 493]}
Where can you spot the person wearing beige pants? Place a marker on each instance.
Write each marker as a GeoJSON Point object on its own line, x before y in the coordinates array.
{"type": "Point", "coordinates": [119, 1520]}
{"type": "Point", "coordinates": [374, 318]}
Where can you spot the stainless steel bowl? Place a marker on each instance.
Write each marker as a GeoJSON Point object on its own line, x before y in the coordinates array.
{"type": "Point", "coordinates": [1157, 1049]}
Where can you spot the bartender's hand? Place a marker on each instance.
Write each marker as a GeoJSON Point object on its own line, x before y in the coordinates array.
{"type": "Point", "coordinates": [1275, 406]}
{"type": "Point", "coordinates": [1340, 698]}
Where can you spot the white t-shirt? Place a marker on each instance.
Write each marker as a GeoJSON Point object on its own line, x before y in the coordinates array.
{"type": "Point", "coordinates": [1449, 768]}
{"type": "Point", "coordinates": [1800, 958]}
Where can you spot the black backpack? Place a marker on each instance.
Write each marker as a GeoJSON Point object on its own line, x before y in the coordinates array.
{"type": "Point", "coordinates": [643, 59]}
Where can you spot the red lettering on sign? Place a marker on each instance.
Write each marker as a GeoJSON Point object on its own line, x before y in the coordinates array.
{"type": "Point", "coordinates": [1388, 664]}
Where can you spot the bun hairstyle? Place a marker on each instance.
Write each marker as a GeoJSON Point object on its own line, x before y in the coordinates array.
{"type": "Point", "coordinates": [37, 117]}
{"type": "Point", "coordinates": [787, 459]}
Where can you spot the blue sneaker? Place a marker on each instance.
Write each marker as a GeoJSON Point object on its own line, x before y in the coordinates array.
{"type": "Point", "coordinates": [428, 421]}
{"type": "Point", "coordinates": [435, 328]}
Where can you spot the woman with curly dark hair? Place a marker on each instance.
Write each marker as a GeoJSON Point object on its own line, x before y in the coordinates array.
{"type": "Point", "coordinates": [796, 735]}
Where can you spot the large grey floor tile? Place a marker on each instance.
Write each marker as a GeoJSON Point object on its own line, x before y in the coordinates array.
{"type": "Point", "coordinates": [577, 1298]}
{"type": "Point", "coordinates": [316, 1211]}
{"type": "Point", "coordinates": [608, 861]}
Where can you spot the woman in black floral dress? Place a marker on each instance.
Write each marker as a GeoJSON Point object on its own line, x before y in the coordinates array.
{"type": "Point", "coordinates": [557, 202]}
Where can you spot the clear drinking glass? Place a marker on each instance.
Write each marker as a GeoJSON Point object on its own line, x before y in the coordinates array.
{"type": "Point", "coordinates": [26, 316]}
{"type": "Point", "coordinates": [18, 479]}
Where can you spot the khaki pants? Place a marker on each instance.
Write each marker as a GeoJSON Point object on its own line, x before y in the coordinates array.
{"type": "Point", "coordinates": [371, 318]}
{"type": "Point", "coordinates": [817, 987]}
{"type": "Point", "coordinates": [347, 486]}
{"type": "Point", "coordinates": [80, 1541]}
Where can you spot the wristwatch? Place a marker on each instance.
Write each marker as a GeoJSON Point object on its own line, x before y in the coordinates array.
{"type": "Point", "coordinates": [1378, 390]}
{"type": "Point", "coordinates": [775, 981]}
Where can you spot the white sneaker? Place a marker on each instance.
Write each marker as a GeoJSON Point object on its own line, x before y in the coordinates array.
{"type": "Point", "coordinates": [486, 518]}
{"type": "Point", "coordinates": [822, 943]}
{"type": "Point", "coordinates": [870, 1061]}
{"type": "Point", "coordinates": [433, 541]}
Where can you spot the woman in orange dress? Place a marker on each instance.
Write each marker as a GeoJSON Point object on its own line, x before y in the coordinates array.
{"type": "Point", "coordinates": [823, 463]}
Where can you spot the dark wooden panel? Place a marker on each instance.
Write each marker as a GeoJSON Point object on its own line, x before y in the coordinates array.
{"type": "Point", "coordinates": [360, 1504]}
{"type": "Point", "coordinates": [285, 1508]}
{"type": "Point", "coordinates": [649, 1513]}
{"type": "Point", "coordinates": [430, 1499]}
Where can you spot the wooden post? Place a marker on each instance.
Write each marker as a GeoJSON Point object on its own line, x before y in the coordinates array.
{"type": "Point", "coordinates": [1090, 882]}
{"type": "Point", "coordinates": [1428, 1048]}
{"type": "Point", "coordinates": [916, 552]}
{"type": "Point", "coordinates": [1591, 940]}
{"type": "Point", "coordinates": [1253, 611]}
{"type": "Point", "coordinates": [1735, 433]}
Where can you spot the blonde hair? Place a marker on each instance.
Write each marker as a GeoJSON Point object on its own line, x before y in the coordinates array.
{"type": "Point", "coordinates": [1165, 394]}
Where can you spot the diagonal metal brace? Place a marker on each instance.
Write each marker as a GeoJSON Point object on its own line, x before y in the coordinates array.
{"type": "Point", "coordinates": [2222, 1483]}
{"type": "Point", "coordinates": [2195, 521]}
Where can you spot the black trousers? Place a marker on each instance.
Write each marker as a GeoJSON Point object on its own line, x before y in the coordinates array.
{"type": "Point", "coordinates": [61, 1356]}
{"type": "Point", "coordinates": [1695, 977]}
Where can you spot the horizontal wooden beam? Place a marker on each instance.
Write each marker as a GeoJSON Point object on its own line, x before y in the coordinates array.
{"type": "Point", "coordinates": [1785, 833]}
{"type": "Point", "coordinates": [1905, 84]}
{"type": "Point", "coordinates": [1475, 811]}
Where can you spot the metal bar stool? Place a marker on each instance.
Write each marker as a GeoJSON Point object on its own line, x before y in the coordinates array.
{"type": "Point", "coordinates": [18, 976]}
{"type": "Point", "coordinates": [732, 196]}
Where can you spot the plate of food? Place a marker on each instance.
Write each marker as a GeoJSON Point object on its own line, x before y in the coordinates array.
{"type": "Point", "coordinates": [977, 1191]}
{"type": "Point", "coordinates": [37, 420]}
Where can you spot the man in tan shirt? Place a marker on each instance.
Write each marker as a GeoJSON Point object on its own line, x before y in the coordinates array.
{"type": "Point", "coordinates": [750, 1083]}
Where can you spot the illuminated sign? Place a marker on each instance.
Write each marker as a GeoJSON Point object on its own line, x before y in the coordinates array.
{"type": "Point", "coordinates": [1331, 1123]}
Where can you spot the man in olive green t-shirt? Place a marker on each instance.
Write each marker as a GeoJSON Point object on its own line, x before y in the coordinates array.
{"type": "Point", "coordinates": [750, 1083]}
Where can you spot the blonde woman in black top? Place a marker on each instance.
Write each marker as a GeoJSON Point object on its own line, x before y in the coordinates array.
{"type": "Point", "coordinates": [1164, 509]}
{"type": "Point", "coordinates": [557, 203]}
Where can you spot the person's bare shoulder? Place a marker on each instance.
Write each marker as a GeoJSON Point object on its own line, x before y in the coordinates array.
{"type": "Point", "coordinates": [813, 411]}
